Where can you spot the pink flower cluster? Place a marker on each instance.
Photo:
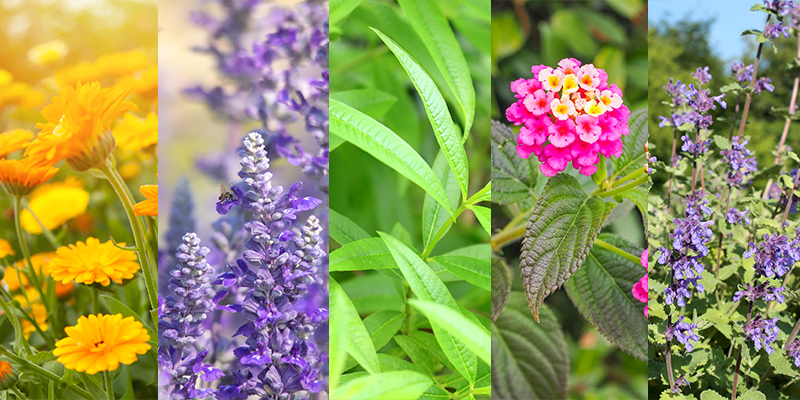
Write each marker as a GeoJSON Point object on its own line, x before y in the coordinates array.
{"type": "Point", "coordinates": [639, 289]}
{"type": "Point", "coordinates": [570, 113]}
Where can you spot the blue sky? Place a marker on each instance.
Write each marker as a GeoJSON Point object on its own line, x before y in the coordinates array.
{"type": "Point", "coordinates": [731, 18]}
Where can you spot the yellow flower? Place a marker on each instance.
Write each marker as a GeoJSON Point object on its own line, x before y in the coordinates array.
{"type": "Point", "coordinates": [92, 262]}
{"type": "Point", "coordinates": [150, 206]}
{"type": "Point", "coordinates": [102, 342]}
{"type": "Point", "coordinates": [135, 134]}
{"type": "Point", "coordinates": [48, 53]}
{"type": "Point", "coordinates": [114, 64]}
{"type": "Point", "coordinates": [20, 177]}
{"type": "Point", "coordinates": [54, 204]}
{"type": "Point", "coordinates": [8, 375]}
{"type": "Point", "coordinates": [147, 84]}
{"type": "Point", "coordinates": [19, 93]}
{"type": "Point", "coordinates": [39, 262]}
{"type": "Point", "coordinates": [77, 126]}
{"type": "Point", "coordinates": [5, 249]}
{"type": "Point", "coordinates": [11, 141]}
{"type": "Point", "coordinates": [39, 312]}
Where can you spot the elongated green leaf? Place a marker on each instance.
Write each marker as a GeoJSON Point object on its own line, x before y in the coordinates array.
{"type": "Point", "coordinates": [381, 327]}
{"type": "Point", "coordinates": [362, 255]}
{"type": "Point", "coordinates": [501, 286]}
{"type": "Point", "coordinates": [343, 230]}
{"type": "Point", "coordinates": [601, 290]}
{"type": "Point", "coordinates": [433, 215]}
{"type": "Point", "coordinates": [353, 333]}
{"type": "Point", "coordinates": [93, 386]}
{"type": "Point", "coordinates": [372, 102]}
{"type": "Point", "coordinates": [513, 177]}
{"type": "Point", "coordinates": [391, 363]}
{"type": "Point", "coordinates": [470, 263]}
{"type": "Point", "coordinates": [438, 114]}
{"type": "Point", "coordinates": [380, 142]}
{"type": "Point", "coordinates": [431, 25]}
{"type": "Point", "coordinates": [484, 215]}
{"type": "Point", "coordinates": [393, 385]}
{"type": "Point", "coordinates": [633, 157]}
{"type": "Point", "coordinates": [471, 334]}
{"type": "Point", "coordinates": [485, 194]}
{"type": "Point", "coordinates": [561, 231]}
{"type": "Point", "coordinates": [435, 393]}
{"type": "Point", "coordinates": [428, 287]}
{"type": "Point", "coordinates": [529, 359]}
{"type": "Point", "coordinates": [418, 355]}
{"type": "Point", "coordinates": [340, 9]}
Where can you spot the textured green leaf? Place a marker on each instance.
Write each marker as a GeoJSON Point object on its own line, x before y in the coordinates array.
{"type": "Point", "coordinates": [380, 142]}
{"type": "Point", "coordinates": [710, 394]}
{"type": "Point", "coordinates": [484, 215]}
{"type": "Point", "coordinates": [393, 385]}
{"type": "Point", "coordinates": [381, 326]}
{"type": "Point", "coordinates": [340, 9]}
{"type": "Point", "coordinates": [782, 364]}
{"type": "Point", "coordinates": [364, 254]}
{"type": "Point", "coordinates": [561, 231]}
{"type": "Point", "coordinates": [334, 141]}
{"type": "Point", "coordinates": [433, 215]}
{"type": "Point", "coordinates": [431, 25]}
{"type": "Point", "coordinates": [601, 290]}
{"type": "Point", "coordinates": [392, 363]}
{"type": "Point", "coordinates": [513, 177]}
{"type": "Point", "coordinates": [438, 114]}
{"type": "Point", "coordinates": [435, 393]}
{"type": "Point", "coordinates": [428, 287]}
{"type": "Point", "coordinates": [638, 195]}
{"type": "Point", "coordinates": [501, 286]}
{"type": "Point", "coordinates": [352, 331]}
{"type": "Point", "coordinates": [418, 355]}
{"type": "Point", "coordinates": [372, 102]}
{"type": "Point", "coordinates": [529, 359]}
{"type": "Point", "coordinates": [470, 263]}
{"type": "Point", "coordinates": [473, 335]}
{"type": "Point", "coordinates": [343, 230]}
{"type": "Point", "coordinates": [633, 156]}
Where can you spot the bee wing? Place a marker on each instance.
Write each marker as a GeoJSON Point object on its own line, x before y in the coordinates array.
{"type": "Point", "coordinates": [222, 189]}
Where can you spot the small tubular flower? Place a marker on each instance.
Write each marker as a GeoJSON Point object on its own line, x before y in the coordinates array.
{"type": "Point", "coordinates": [101, 343]}
{"type": "Point", "coordinates": [92, 262]}
{"type": "Point", "coordinates": [575, 108]}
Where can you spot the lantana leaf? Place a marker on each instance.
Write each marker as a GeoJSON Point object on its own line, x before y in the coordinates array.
{"type": "Point", "coordinates": [561, 231]}
{"type": "Point", "coordinates": [501, 286]}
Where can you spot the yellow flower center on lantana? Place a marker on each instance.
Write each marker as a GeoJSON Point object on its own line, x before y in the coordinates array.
{"type": "Point", "coordinates": [594, 108]}
{"type": "Point", "coordinates": [553, 81]}
{"type": "Point", "coordinates": [561, 109]}
{"type": "Point", "coordinates": [101, 343]}
{"type": "Point", "coordinates": [570, 84]}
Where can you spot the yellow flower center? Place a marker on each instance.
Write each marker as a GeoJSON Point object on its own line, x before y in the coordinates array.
{"type": "Point", "coordinates": [553, 80]}
{"type": "Point", "coordinates": [60, 129]}
{"type": "Point", "coordinates": [586, 80]}
{"type": "Point", "coordinates": [606, 100]}
{"type": "Point", "coordinates": [99, 347]}
{"type": "Point", "coordinates": [561, 109]}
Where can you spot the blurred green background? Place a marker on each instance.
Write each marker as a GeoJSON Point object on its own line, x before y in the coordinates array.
{"type": "Point", "coordinates": [612, 35]}
{"type": "Point", "coordinates": [678, 48]}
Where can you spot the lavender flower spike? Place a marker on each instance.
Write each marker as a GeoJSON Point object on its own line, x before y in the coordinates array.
{"type": "Point", "coordinates": [181, 316]}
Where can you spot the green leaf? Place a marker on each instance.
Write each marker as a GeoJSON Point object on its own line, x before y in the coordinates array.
{"type": "Point", "coordinates": [626, 8]}
{"type": "Point", "coordinates": [352, 331]}
{"type": "Point", "coordinates": [394, 385]}
{"type": "Point", "coordinates": [484, 215]}
{"type": "Point", "coordinates": [431, 25]}
{"type": "Point", "coordinates": [601, 290]}
{"type": "Point", "coordinates": [93, 386]}
{"type": "Point", "coordinates": [343, 230]}
{"type": "Point", "coordinates": [529, 359]}
{"type": "Point", "coordinates": [638, 195]}
{"type": "Point", "coordinates": [340, 9]}
{"type": "Point", "coordinates": [722, 142]}
{"type": "Point", "coordinates": [428, 287]}
{"type": "Point", "coordinates": [710, 394]}
{"type": "Point", "coordinates": [473, 335]}
{"type": "Point", "coordinates": [381, 326]}
{"type": "Point", "coordinates": [781, 364]}
{"type": "Point", "coordinates": [117, 307]}
{"type": "Point", "coordinates": [501, 286]}
{"type": "Point", "coordinates": [438, 114]}
{"type": "Point", "coordinates": [513, 177]}
{"type": "Point", "coordinates": [485, 194]}
{"type": "Point", "coordinates": [372, 102]}
{"type": "Point", "coordinates": [507, 37]}
{"type": "Point", "coordinates": [561, 231]}
{"type": "Point", "coordinates": [433, 215]}
{"type": "Point", "coordinates": [364, 254]}
{"type": "Point", "coordinates": [383, 144]}
{"type": "Point", "coordinates": [469, 263]}
{"type": "Point", "coordinates": [391, 363]}
{"type": "Point", "coordinates": [633, 156]}
{"type": "Point", "coordinates": [573, 33]}
{"type": "Point", "coordinates": [418, 355]}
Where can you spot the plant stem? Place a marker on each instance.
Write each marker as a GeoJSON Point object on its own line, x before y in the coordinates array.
{"type": "Point", "coordinates": [109, 385]}
{"type": "Point", "coordinates": [694, 165]}
{"type": "Point", "coordinates": [17, 327]}
{"type": "Point", "coordinates": [427, 252]}
{"type": "Point", "coordinates": [671, 175]}
{"type": "Point", "coordinates": [43, 372]}
{"type": "Point", "coordinates": [752, 84]}
{"type": "Point", "coordinates": [721, 236]}
{"type": "Point", "coordinates": [508, 235]}
{"type": "Point", "coordinates": [17, 393]}
{"type": "Point", "coordinates": [618, 251]}
{"type": "Point", "coordinates": [792, 335]}
{"type": "Point", "coordinates": [735, 116]}
{"type": "Point", "coordinates": [642, 179]}
{"type": "Point", "coordinates": [792, 109]}
{"type": "Point", "coordinates": [141, 248]}
{"type": "Point", "coordinates": [791, 198]}
{"type": "Point", "coordinates": [632, 175]}
{"type": "Point", "coordinates": [739, 356]}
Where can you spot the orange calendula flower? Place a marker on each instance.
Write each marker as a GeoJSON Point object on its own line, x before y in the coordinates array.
{"type": "Point", "coordinates": [8, 375]}
{"type": "Point", "coordinates": [92, 262]}
{"type": "Point", "coordinates": [11, 141]}
{"type": "Point", "coordinates": [48, 53]}
{"type": "Point", "coordinates": [40, 262]}
{"type": "Point", "coordinates": [135, 134]}
{"type": "Point", "coordinates": [114, 64]}
{"type": "Point", "coordinates": [5, 249]}
{"type": "Point", "coordinates": [39, 312]}
{"type": "Point", "coordinates": [150, 206]}
{"type": "Point", "coordinates": [101, 343]}
{"type": "Point", "coordinates": [77, 126]}
{"type": "Point", "coordinates": [20, 177]}
{"type": "Point", "coordinates": [54, 204]}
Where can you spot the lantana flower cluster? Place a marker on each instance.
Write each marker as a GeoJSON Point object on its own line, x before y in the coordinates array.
{"type": "Point", "coordinates": [568, 114]}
